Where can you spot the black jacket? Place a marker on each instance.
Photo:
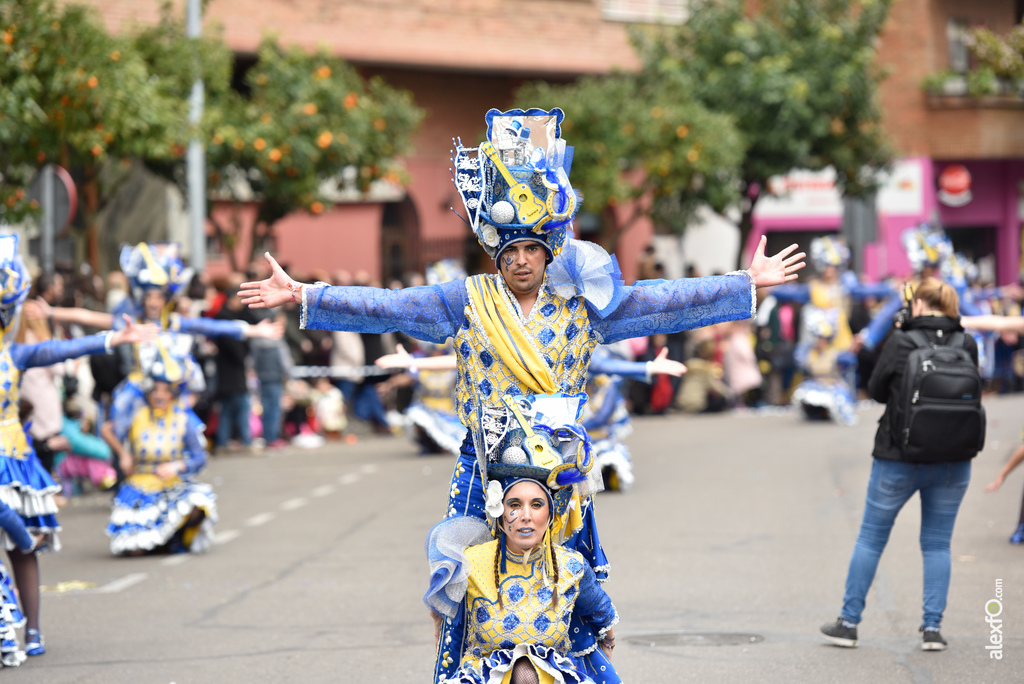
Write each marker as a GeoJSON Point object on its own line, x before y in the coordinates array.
{"type": "Point", "coordinates": [884, 385]}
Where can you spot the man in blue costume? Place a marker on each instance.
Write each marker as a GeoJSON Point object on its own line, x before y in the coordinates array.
{"type": "Point", "coordinates": [524, 337]}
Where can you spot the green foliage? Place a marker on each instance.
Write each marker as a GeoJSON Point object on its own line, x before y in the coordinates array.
{"type": "Point", "coordinates": [307, 118]}
{"type": "Point", "coordinates": [982, 81]}
{"type": "Point", "coordinates": [634, 141]}
{"type": "Point", "coordinates": [1002, 57]}
{"type": "Point", "coordinates": [73, 94]}
{"type": "Point", "coordinates": [800, 80]}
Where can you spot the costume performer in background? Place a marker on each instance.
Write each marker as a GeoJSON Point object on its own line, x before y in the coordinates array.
{"type": "Point", "coordinates": [11, 617]}
{"type": "Point", "coordinates": [156, 276]}
{"type": "Point", "coordinates": [530, 330]}
{"type": "Point", "coordinates": [160, 506]}
{"type": "Point", "coordinates": [25, 485]}
{"type": "Point", "coordinates": [826, 303]}
{"type": "Point", "coordinates": [606, 416]}
{"type": "Point", "coordinates": [826, 393]}
{"type": "Point", "coordinates": [432, 411]}
{"type": "Point", "coordinates": [1002, 324]}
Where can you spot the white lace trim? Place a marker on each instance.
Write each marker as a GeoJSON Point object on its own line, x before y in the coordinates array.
{"type": "Point", "coordinates": [753, 290]}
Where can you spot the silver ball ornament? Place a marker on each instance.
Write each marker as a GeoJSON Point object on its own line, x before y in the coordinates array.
{"type": "Point", "coordinates": [514, 455]}
{"type": "Point", "coordinates": [502, 212]}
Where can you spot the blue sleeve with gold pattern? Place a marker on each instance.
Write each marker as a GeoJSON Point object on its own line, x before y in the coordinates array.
{"type": "Point", "coordinates": [432, 313]}
{"type": "Point", "coordinates": [52, 351]}
{"type": "Point", "coordinates": [593, 604]}
{"type": "Point", "coordinates": [666, 306]}
{"type": "Point", "coordinates": [195, 447]}
{"type": "Point", "coordinates": [212, 327]}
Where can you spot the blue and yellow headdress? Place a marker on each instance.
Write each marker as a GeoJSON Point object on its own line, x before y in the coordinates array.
{"type": "Point", "coordinates": [445, 271]}
{"type": "Point", "coordinates": [167, 363]}
{"type": "Point", "coordinates": [829, 251]}
{"type": "Point", "coordinates": [515, 185]}
{"type": "Point", "coordinates": [926, 245]}
{"type": "Point", "coordinates": [14, 282]}
{"type": "Point", "coordinates": [156, 265]}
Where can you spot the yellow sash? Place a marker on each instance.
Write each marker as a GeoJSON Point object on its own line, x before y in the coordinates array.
{"type": "Point", "coordinates": [507, 337]}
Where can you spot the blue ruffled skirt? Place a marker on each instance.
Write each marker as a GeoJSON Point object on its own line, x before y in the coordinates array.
{"type": "Point", "coordinates": [444, 428]}
{"type": "Point", "coordinates": [494, 667]}
{"type": "Point", "coordinates": [144, 518]}
{"type": "Point", "coordinates": [11, 618]}
{"type": "Point", "coordinates": [26, 487]}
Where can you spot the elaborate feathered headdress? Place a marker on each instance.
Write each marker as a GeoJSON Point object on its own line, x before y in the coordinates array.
{"type": "Point", "coordinates": [926, 245]}
{"type": "Point", "coordinates": [156, 265]}
{"type": "Point", "coordinates": [829, 251]}
{"type": "Point", "coordinates": [515, 185]}
{"type": "Point", "coordinates": [14, 282]}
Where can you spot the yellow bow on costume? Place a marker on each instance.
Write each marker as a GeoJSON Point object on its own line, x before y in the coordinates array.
{"type": "Point", "coordinates": [508, 338]}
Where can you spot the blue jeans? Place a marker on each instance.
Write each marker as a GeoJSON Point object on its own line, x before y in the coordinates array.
{"type": "Point", "coordinates": [892, 483]}
{"type": "Point", "coordinates": [234, 410]}
{"type": "Point", "coordinates": [365, 402]}
{"type": "Point", "coordinates": [270, 398]}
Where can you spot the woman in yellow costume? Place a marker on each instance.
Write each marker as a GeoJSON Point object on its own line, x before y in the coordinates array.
{"type": "Point", "coordinates": [25, 485]}
{"type": "Point", "coordinates": [160, 506]}
{"type": "Point", "coordinates": [514, 596]}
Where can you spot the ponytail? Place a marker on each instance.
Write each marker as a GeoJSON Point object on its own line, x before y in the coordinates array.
{"type": "Point", "coordinates": [939, 297]}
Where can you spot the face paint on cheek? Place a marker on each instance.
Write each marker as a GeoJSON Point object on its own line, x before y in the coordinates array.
{"type": "Point", "coordinates": [508, 260]}
{"type": "Point", "coordinates": [510, 518]}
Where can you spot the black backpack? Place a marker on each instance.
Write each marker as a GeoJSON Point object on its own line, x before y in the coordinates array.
{"type": "Point", "coordinates": [939, 417]}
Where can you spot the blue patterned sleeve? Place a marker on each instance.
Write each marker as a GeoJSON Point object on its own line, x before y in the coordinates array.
{"type": "Point", "coordinates": [52, 351]}
{"type": "Point", "coordinates": [792, 292]}
{"type": "Point", "coordinates": [195, 447]}
{"type": "Point", "coordinates": [432, 313]}
{"type": "Point", "coordinates": [593, 604]}
{"type": "Point", "coordinates": [212, 327]}
{"type": "Point", "coordinates": [606, 365]}
{"type": "Point", "coordinates": [666, 306]}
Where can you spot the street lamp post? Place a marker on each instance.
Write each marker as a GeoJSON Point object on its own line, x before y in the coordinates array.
{"type": "Point", "coordinates": [196, 156]}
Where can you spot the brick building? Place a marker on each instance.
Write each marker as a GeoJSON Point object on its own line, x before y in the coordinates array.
{"type": "Point", "coordinates": [461, 57]}
{"type": "Point", "coordinates": [961, 157]}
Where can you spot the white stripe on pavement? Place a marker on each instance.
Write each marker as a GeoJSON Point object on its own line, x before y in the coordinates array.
{"type": "Point", "coordinates": [261, 519]}
{"type": "Point", "coordinates": [350, 478]}
{"type": "Point", "coordinates": [122, 583]}
{"type": "Point", "coordinates": [225, 536]}
{"type": "Point", "coordinates": [369, 469]}
{"type": "Point", "coordinates": [292, 504]}
{"type": "Point", "coordinates": [176, 559]}
{"type": "Point", "coordinates": [325, 490]}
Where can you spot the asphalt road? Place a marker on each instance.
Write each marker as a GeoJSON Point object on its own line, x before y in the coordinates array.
{"type": "Point", "coordinates": [727, 555]}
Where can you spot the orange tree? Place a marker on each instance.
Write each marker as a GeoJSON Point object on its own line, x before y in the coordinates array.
{"type": "Point", "coordinates": [642, 150]}
{"type": "Point", "coordinates": [72, 94]}
{"type": "Point", "coordinates": [308, 120]}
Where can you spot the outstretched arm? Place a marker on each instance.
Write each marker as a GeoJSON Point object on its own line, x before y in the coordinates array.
{"type": "Point", "coordinates": [406, 361]}
{"type": "Point", "coordinates": [53, 351]}
{"type": "Point", "coordinates": [994, 323]}
{"type": "Point", "coordinates": [432, 313]}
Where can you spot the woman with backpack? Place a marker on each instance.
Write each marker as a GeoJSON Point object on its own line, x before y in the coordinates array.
{"type": "Point", "coordinates": [927, 376]}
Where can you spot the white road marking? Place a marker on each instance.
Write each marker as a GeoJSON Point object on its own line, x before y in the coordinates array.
{"type": "Point", "coordinates": [350, 478]}
{"type": "Point", "coordinates": [292, 504]}
{"type": "Point", "coordinates": [369, 469]}
{"type": "Point", "coordinates": [176, 559]}
{"type": "Point", "coordinates": [122, 583]}
{"type": "Point", "coordinates": [325, 490]}
{"type": "Point", "coordinates": [261, 519]}
{"type": "Point", "coordinates": [226, 536]}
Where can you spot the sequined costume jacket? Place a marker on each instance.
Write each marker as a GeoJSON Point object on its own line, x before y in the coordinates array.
{"type": "Point", "coordinates": [563, 330]}
{"type": "Point", "coordinates": [177, 334]}
{"type": "Point", "coordinates": [15, 358]}
{"type": "Point", "coordinates": [526, 614]}
{"type": "Point", "coordinates": [163, 436]}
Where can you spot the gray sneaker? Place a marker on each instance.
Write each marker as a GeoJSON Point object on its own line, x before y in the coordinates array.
{"type": "Point", "coordinates": [839, 634]}
{"type": "Point", "coordinates": [931, 640]}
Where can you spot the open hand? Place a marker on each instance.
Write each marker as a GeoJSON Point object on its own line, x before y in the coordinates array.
{"type": "Point", "coordinates": [662, 365]}
{"type": "Point", "coordinates": [271, 330]}
{"type": "Point", "coordinates": [170, 470]}
{"type": "Point", "coordinates": [133, 332]}
{"type": "Point", "coordinates": [768, 271]}
{"type": "Point", "coordinates": [994, 485]}
{"type": "Point", "coordinates": [400, 359]}
{"type": "Point", "coordinates": [277, 290]}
